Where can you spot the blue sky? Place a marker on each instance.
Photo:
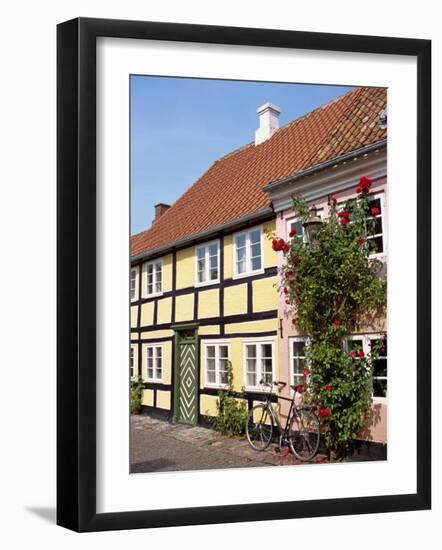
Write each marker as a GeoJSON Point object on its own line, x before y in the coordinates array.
{"type": "Point", "coordinates": [180, 126]}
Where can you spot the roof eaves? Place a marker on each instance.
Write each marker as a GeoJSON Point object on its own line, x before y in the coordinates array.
{"type": "Point", "coordinates": [253, 216]}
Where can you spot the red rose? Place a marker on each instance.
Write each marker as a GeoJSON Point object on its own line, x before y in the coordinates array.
{"type": "Point", "coordinates": [336, 322]}
{"type": "Point", "coordinates": [374, 211]}
{"type": "Point", "coordinates": [306, 373]}
{"type": "Point", "coordinates": [365, 183]}
{"type": "Point", "coordinates": [334, 200]}
{"type": "Point", "coordinates": [328, 388]}
{"type": "Point", "coordinates": [358, 189]}
{"type": "Point", "coordinates": [354, 354]}
{"type": "Point", "coordinates": [278, 244]}
{"type": "Point", "coordinates": [360, 241]}
{"type": "Point", "coordinates": [286, 290]}
{"type": "Point", "coordinates": [344, 221]}
{"type": "Point", "coordinates": [299, 388]}
{"type": "Point", "coordinates": [289, 273]}
{"type": "Point", "coordinates": [326, 411]}
{"type": "Point", "coordinates": [287, 302]}
{"type": "Point", "coordinates": [361, 354]}
{"type": "Point", "coordinates": [344, 214]}
{"type": "Point", "coordinates": [286, 248]}
{"type": "Point", "coordinates": [293, 322]}
{"type": "Point", "coordinates": [292, 233]}
{"type": "Point", "coordinates": [382, 350]}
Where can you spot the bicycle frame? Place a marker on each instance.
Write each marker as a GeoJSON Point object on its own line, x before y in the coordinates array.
{"type": "Point", "coordinates": [283, 432]}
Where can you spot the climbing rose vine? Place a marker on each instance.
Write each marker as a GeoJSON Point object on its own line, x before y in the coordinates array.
{"type": "Point", "coordinates": [330, 292]}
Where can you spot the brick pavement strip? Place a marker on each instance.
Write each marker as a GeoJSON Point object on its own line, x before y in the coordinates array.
{"type": "Point", "coordinates": [157, 445]}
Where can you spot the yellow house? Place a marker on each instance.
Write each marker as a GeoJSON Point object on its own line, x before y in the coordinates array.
{"type": "Point", "coordinates": [204, 278]}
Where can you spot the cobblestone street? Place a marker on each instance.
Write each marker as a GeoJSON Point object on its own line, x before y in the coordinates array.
{"type": "Point", "coordinates": [159, 446]}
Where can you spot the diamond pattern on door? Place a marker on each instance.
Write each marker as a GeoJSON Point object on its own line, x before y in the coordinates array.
{"type": "Point", "coordinates": [187, 401]}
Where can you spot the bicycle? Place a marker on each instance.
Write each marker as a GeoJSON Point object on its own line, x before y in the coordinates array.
{"type": "Point", "coordinates": [301, 431]}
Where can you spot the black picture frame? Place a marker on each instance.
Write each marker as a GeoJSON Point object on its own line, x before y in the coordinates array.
{"type": "Point", "coordinates": [76, 274]}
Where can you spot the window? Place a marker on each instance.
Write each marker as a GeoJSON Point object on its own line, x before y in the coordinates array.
{"type": "Point", "coordinates": [154, 277]}
{"type": "Point", "coordinates": [133, 284]}
{"type": "Point", "coordinates": [154, 362]}
{"type": "Point", "coordinates": [259, 363]}
{"type": "Point", "coordinates": [380, 369]}
{"type": "Point", "coordinates": [248, 252]}
{"type": "Point", "coordinates": [131, 363]}
{"type": "Point", "coordinates": [298, 346]}
{"type": "Point", "coordinates": [377, 236]}
{"type": "Point", "coordinates": [207, 263]}
{"type": "Point", "coordinates": [217, 364]}
{"type": "Point", "coordinates": [363, 342]}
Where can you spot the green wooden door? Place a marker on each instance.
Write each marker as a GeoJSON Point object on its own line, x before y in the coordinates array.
{"type": "Point", "coordinates": [186, 377]}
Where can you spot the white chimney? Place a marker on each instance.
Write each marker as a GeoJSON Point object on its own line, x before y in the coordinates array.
{"type": "Point", "coordinates": [268, 122]}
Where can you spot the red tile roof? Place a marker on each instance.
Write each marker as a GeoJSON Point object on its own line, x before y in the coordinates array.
{"type": "Point", "coordinates": [233, 186]}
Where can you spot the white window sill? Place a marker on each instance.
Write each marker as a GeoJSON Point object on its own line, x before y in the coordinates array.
{"type": "Point", "coordinates": [216, 386]}
{"type": "Point", "coordinates": [154, 295]}
{"type": "Point", "coordinates": [153, 381]}
{"type": "Point", "coordinates": [207, 283]}
{"type": "Point", "coordinates": [248, 274]}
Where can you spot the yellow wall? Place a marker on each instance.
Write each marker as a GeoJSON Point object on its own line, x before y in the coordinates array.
{"type": "Point", "coordinates": [270, 256]}
{"type": "Point", "coordinates": [184, 308]}
{"type": "Point", "coordinates": [147, 314]}
{"type": "Point", "coordinates": [185, 272]}
{"type": "Point", "coordinates": [208, 304]}
{"type": "Point", "coordinates": [265, 294]}
{"type": "Point", "coordinates": [208, 329]}
{"type": "Point", "coordinates": [152, 334]}
{"type": "Point", "coordinates": [208, 405]}
{"type": "Point", "coordinates": [235, 299]}
{"type": "Point", "coordinates": [164, 310]}
{"type": "Point", "coordinates": [163, 399]}
{"type": "Point", "coordinates": [133, 316]}
{"type": "Point", "coordinates": [253, 326]}
{"type": "Point", "coordinates": [167, 273]}
{"type": "Point", "coordinates": [147, 399]}
{"type": "Point", "coordinates": [228, 257]}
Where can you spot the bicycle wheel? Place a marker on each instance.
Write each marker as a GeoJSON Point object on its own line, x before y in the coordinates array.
{"type": "Point", "coordinates": [259, 428]}
{"type": "Point", "coordinates": [304, 434]}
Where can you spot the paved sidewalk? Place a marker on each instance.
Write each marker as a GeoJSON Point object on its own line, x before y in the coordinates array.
{"type": "Point", "coordinates": [157, 446]}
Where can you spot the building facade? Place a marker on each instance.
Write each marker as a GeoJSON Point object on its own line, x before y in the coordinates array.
{"type": "Point", "coordinates": [204, 278]}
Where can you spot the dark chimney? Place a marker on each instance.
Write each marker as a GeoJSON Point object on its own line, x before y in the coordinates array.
{"type": "Point", "coordinates": [160, 208]}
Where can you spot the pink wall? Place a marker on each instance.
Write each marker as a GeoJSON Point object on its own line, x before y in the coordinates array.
{"type": "Point", "coordinates": [377, 423]}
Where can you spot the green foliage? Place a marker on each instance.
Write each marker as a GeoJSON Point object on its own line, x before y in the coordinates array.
{"type": "Point", "coordinates": [136, 395]}
{"type": "Point", "coordinates": [232, 411]}
{"type": "Point", "coordinates": [331, 291]}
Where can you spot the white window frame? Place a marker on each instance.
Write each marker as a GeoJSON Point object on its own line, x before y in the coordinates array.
{"type": "Point", "coordinates": [135, 296]}
{"type": "Point", "coordinates": [216, 344]}
{"type": "Point", "coordinates": [132, 360]}
{"type": "Point", "coordinates": [381, 197]}
{"type": "Point", "coordinates": [366, 348]}
{"type": "Point", "coordinates": [293, 339]}
{"type": "Point", "coordinates": [207, 282]}
{"type": "Point", "coordinates": [248, 270]}
{"type": "Point", "coordinates": [258, 342]}
{"type": "Point", "coordinates": [154, 346]}
{"type": "Point", "coordinates": [154, 278]}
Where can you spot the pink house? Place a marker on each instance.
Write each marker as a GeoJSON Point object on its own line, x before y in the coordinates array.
{"type": "Point", "coordinates": [338, 177]}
